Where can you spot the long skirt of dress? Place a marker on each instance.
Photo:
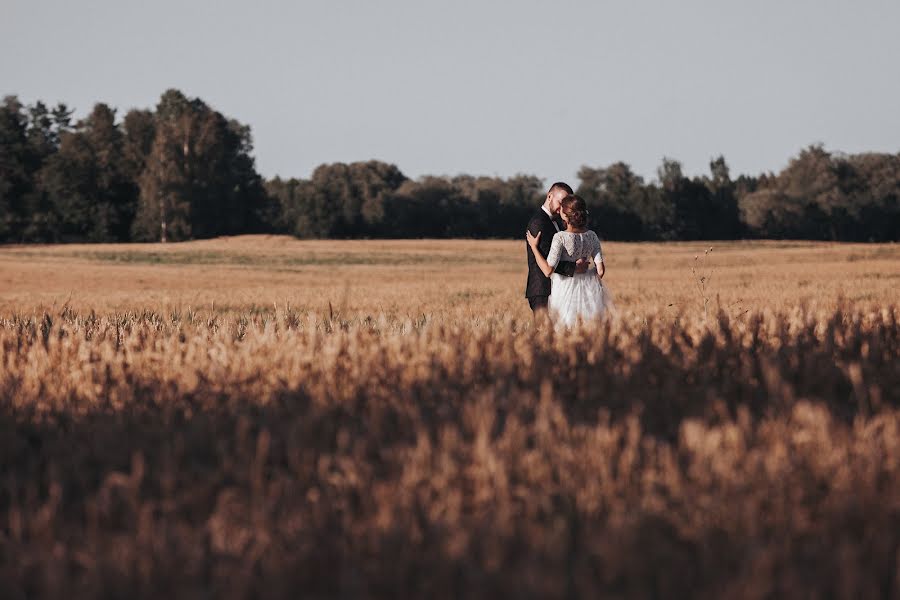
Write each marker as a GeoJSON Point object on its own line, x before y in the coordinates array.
{"type": "Point", "coordinates": [579, 297]}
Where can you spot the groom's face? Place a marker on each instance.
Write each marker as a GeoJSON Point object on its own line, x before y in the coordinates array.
{"type": "Point", "coordinates": [554, 200]}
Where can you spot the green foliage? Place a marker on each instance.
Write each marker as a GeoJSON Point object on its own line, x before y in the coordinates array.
{"type": "Point", "coordinates": [87, 182]}
{"type": "Point", "coordinates": [186, 171]}
{"type": "Point", "coordinates": [375, 199]}
{"type": "Point", "coordinates": [826, 196]}
{"type": "Point", "coordinates": [28, 137]}
{"type": "Point", "coordinates": [199, 179]}
{"type": "Point", "coordinates": [621, 206]}
{"type": "Point", "coordinates": [340, 200]}
{"type": "Point", "coordinates": [15, 180]}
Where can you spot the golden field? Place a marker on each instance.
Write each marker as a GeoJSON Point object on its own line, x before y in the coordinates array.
{"type": "Point", "coordinates": [261, 417]}
{"type": "Point", "coordinates": [446, 279]}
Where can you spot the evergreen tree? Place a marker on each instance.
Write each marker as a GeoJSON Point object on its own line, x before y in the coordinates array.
{"type": "Point", "coordinates": [139, 129]}
{"type": "Point", "coordinates": [15, 178]}
{"type": "Point", "coordinates": [88, 183]}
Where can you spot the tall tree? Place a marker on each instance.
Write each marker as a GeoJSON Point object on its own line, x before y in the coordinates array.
{"type": "Point", "coordinates": [825, 196]}
{"type": "Point", "coordinates": [116, 195]}
{"type": "Point", "coordinates": [31, 214]}
{"type": "Point", "coordinates": [345, 200]}
{"type": "Point", "coordinates": [723, 218]}
{"type": "Point", "coordinates": [430, 207]}
{"type": "Point", "coordinates": [15, 178]}
{"type": "Point", "coordinates": [140, 131]}
{"type": "Point", "coordinates": [164, 209]}
{"type": "Point", "coordinates": [621, 206]}
{"type": "Point", "coordinates": [702, 208]}
{"type": "Point", "coordinates": [199, 178]}
{"type": "Point", "coordinates": [874, 190]}
{"type": "Point", "coordinates": [88, 182]}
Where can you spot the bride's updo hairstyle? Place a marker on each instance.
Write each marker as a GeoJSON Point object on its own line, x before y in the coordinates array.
{"type": "Point", "coordinates": [576, 210]}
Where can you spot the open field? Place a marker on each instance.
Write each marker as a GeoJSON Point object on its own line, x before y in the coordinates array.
{"type": "Point", "coordinates": [444, 279]}
{"type": "Point", "coordinates": [261, 417]}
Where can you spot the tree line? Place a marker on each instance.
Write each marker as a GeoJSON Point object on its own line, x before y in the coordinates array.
{"type": "Point", "coordinates": [185, 171]}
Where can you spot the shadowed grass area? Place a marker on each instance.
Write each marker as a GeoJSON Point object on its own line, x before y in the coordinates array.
{"type": "Point", "coordinates": [152, 454]}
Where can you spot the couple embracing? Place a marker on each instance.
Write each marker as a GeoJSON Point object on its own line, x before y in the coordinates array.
{"type": "Point", "coordinates": [560, 248]}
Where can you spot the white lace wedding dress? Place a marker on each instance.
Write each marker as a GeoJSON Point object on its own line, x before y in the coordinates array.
{"type": "Point", "coordinates": [582, 296]}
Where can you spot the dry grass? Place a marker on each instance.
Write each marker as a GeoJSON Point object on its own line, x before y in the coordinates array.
{"type": "Point", "coordinates": [194, 421]}
{"type": "Point", "coordinates": [444, 279]}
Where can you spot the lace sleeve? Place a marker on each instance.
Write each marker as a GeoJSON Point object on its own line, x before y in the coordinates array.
{"type": "Point", "coordinates": [555, 251]}
{"type": "Point", "coordinates": [598, 254]}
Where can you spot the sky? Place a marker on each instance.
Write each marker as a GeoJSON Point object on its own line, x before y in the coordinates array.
{"type": "Point", "coordinates": [483, 87]}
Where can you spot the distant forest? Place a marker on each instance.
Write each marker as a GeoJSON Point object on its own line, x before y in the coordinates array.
{"type": "Point", "coordinates": [185, 171]}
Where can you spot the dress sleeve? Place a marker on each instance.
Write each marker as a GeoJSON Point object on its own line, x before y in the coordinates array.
{"type": "Point", "coordinates": [555, 252]}
{"type": "Point", "coordinates": [598, 254]}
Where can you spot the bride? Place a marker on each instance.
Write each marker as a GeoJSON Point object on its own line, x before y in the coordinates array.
{"type": "Point", "coordinates": [583, 296]}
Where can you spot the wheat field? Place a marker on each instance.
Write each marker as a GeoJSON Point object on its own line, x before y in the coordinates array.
{"type": "Point", "coordinates": [450, 280]}
{"type": "Point", "coordinates": [262, 417]}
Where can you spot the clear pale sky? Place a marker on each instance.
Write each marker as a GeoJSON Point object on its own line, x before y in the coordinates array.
{"type": "Point", "coordinates": [483, 87]}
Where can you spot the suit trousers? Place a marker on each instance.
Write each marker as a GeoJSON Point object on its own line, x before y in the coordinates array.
{"type": "Point", "coordinates": [538, 302]}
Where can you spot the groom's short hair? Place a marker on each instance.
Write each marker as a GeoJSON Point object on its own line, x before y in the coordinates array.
{"type": "Point", "coordinates": [559, 185]}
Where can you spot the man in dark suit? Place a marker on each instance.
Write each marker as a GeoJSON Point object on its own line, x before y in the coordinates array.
{"type": "Point", "coordinates": [546, 220]}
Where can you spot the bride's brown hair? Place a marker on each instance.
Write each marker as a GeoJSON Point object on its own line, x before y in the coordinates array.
{"type": "Point", "coordinates": [576, 210]}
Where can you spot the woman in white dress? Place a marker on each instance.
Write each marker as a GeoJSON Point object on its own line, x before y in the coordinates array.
{"type": "Point", "coordinates": [583, 296]}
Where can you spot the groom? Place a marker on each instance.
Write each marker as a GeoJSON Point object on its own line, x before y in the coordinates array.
{"type": "Point", "coordinates": [546, 220]}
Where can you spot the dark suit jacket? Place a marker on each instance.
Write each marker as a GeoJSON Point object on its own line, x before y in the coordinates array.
{"type": "Point", "coordinates": [538, 284]}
